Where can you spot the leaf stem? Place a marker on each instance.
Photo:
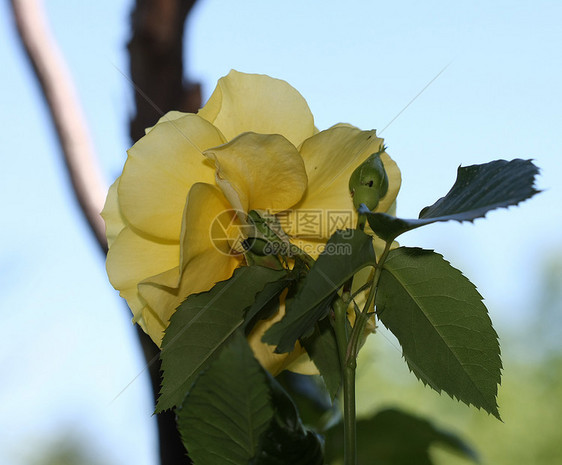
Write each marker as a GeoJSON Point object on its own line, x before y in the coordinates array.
{"type": "Point", "coordinates": [363, 317]}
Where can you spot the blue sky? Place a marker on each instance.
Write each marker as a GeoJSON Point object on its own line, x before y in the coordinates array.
{"type": "Point", "coordinates": [69, 348]}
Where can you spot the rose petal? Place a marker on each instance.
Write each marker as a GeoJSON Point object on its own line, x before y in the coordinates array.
{"type": "Point", "coordinates": [330, 158]}
{"type": "Point", "coordinates": [170, 116]}
{"type": "Point", "coordinates": [302, 364]}
{"type": "Point", "coordinates": [258, 103]}
{"type": "Point", "coordinates": [133, 257]}
{"type": "Point", "coordinates": [160, 170]}
{"type": "Point", "coordinates": [130, 259]}
{"type": "Point", "coordinates": [203, 263]}
{"type": "Point", "coordinates": [131, 295]}
{"type": "Point", "coordinates": [201, 274]}
{"type": "Point", "coordinates": [259, 172]}
{"type": "Point", "coordinates": [111, 214]}
{"type": "Point", "coordinates": [143, 315]}
{"type": "Point", "coordinates": [296, 361]}
{"type": "Point", "coordinates": [152, 325]}
{"type": "Point", "coordinates": [206, 209]}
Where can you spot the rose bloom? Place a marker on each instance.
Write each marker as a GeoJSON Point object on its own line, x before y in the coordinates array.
{"type": "Point", "coordinates": [253, 146]}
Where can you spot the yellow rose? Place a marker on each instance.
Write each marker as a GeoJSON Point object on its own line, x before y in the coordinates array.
{"type": "Point", "coordinates": [252, 147]}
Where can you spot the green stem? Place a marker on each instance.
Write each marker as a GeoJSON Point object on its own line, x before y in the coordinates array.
{"type": "Point", "coordinates": [349, 413]}
{"type": "Point", "coordinates": [348, 379]}
{"type": "Point", "coordinates": [340, 313]}
{"type": "Point", "coordinates": [348, 348]}
{"type": "Point", "coordinates": [349, 363]}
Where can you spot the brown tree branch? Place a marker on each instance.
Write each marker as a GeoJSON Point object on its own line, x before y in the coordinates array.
{"type": "Point", "coordinates": [157, 72]}
{"type": "Point", "coordinates": [66, 114]}
{"type": "Point", "coordinates": [156, 62]}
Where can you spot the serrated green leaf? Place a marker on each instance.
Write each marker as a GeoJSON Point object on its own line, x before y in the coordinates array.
{"type": "Point", "coordinates": [394, 437]}
{"type": "Point", "coordinates": [346, 253]}
{"type": "Point", "coordinates": [322, 348]}
{"type": "Point", "coordinates": [202, 325]}
{"type": "Point", "coordinates": [287, 440]}
{"type": "Point", "coordinates": [228, 409]}
{"type": "Point", "coordinates": [443, 327]}
{"type": "Point", "coordinates": [266, 303]}
{"type": "Point", "coordinates": [477, 190]}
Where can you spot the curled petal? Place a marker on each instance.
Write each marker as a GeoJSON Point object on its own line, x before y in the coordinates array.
{"type": "Point", "coordinates": [296, 361]}
{"type": "Point", "coordinates": [257, 103]}
{"type": "Point", "coordinates": [111, 214]}
{"type": "Point", "coordinates": [160, 170]}
{"type": "Point", "coordinates": [207, 212]}
{"type": "Point", "coordinates": [143, 315]}
{"type": "Point", "coordinates": [135, 303]}
{"type": "Point", "coordinates": [259, 172]}
{"type": "Point", "coordinates": [200, 275]}
{"type": "Point", "coordinates": [202, 264]}
{"type": "Point", "coordinates": [152, 324]}
{"type": "Point", "coordinates": [133, 257]}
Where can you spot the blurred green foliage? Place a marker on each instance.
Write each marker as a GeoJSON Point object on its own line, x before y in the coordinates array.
{"type": "Point", "coordinates": [65, 449]}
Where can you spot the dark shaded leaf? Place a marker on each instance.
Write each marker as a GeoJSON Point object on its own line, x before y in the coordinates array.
{"type": "Point", "coordinates": [394, 437]}
{"type": "Point", "coordinates": [346, 253]}
{"type": "Point", "coordinates": [443, 327]}
{"type": "Point", "coordinates": [477, 190]}
{"type": "Point", "coordinates": [322, 348]}
{"type": "Point", "coordinates": [227, 410]}
{"type": "Point", "coordinates": [202, 325]}
{"type": "Point", "coordinates": [266, 303]}
{"type": "Point", "coordinates": [281, 446]}
{"type": "Point", "coordinates": [311, 399]}
{"type": "Point", "coordinates": [287, 440]}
